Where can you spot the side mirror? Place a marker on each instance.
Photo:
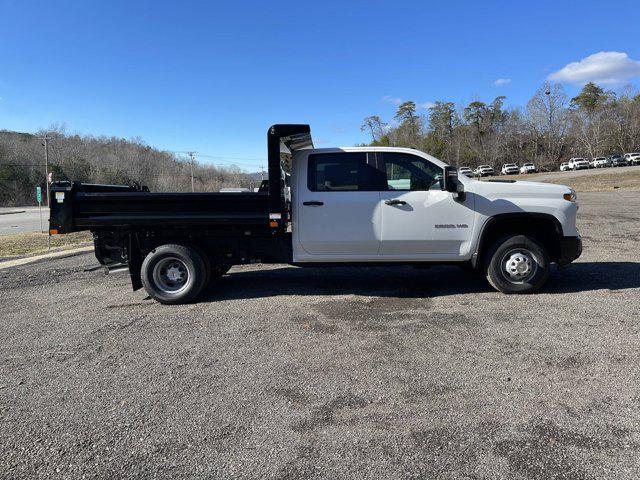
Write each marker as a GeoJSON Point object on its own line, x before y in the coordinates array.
{"type": "Point", "coordinates": [451, 183]}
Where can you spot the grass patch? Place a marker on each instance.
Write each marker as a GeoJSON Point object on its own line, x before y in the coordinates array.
{"type": "Point", "coordinates": [604, 183]}
{"type": "Point", "coordinates": [22, 244]}
{"type": "Point", "coordinates": [605, 180]}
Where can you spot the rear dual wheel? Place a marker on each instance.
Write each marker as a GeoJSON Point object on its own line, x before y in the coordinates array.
{"type": "Point", "coordinates": [173, 274]}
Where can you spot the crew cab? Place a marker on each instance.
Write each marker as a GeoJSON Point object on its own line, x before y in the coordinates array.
{"type": "Point", "coordinates": [509, 169]}
{"type": "Point", "coordinates": [578, 164]}
{"type": "Point", "coordinates": [484, 171]}
{"type": "Point", "coordinates": [340, 206]}
{"type": "Point", "coordinates": [528, 168]}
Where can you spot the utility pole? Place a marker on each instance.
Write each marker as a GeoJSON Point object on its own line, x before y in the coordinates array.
{"type": "Point", "coordinates": [261, 172]}
{"type": "Point", "coordinates": [46, 139]}
{"type": "Point", "coordinates": [548, 94]}
{"type": "Point", "coordinates": [192, 156]}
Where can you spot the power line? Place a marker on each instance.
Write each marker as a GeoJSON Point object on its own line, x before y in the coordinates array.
{"type": "Point", "coordinates": [223, 159]}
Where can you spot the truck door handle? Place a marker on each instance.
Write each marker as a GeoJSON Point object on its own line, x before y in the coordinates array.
{"type": "Point", "coordinates": [313, 203]}
{"type": "Point", "coordinates": [395, 201]}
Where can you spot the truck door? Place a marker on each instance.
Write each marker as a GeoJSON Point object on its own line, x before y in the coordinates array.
{"type": "Point", "coordinates": [337, 205]}
{"type": "Point", "coordinates": [418, 217]}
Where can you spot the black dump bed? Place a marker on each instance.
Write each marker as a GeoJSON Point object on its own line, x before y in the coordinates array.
{"type": "Point", "coordinates": [78, 206]}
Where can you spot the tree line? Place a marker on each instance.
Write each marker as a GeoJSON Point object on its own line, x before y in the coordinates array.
{"type": "Point", "coordinates": [550, 129]}
{"type": "Point", "coordinates": [107, 160]}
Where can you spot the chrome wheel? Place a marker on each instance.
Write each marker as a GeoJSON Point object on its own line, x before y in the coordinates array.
{"type": "Point", "coordinates": [518, 266]}
{"type": "Point", "coordinates": [171, 275]}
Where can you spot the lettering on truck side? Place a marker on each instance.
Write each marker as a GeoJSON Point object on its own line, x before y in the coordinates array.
{"type": "Point", "coordinates": [449, 225]}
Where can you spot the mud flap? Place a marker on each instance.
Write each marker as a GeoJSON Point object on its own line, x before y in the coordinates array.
{"type": "Point", "coordinates": [134, 261]}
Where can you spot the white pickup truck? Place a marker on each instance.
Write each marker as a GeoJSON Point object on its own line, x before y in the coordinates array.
{"type": "Point", "coordinates": [353, 206]}
{"type": "Point", "coordinates": [578, 164]}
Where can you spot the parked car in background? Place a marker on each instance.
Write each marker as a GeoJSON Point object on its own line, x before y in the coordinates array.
{"type": "Point", "coordinates": [600, 162]}
{"type": "Point", "coordinates": [528, 168]}
{"type": "Point", "coordinates": [578, 164]}
{"type": "Point", "coordinates": [564, 166]}
{"type": "Point", "coordinates": [484, 171]}
{"type": "Point", "coordinates": [619, 162]}
{"type": "Point", "coordinates": [509, 169]}
{"type": "Point", "coordinates": [632, 158]}
{"type": "Point", "coordinates": [466, 171]}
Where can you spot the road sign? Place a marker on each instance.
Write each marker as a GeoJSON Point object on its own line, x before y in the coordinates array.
{"type": "Point", "coordinates": [39, 194]}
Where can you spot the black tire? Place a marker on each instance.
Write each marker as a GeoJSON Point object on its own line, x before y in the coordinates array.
{"type": "Point", "coordinates": [517, 264]}
{"type": "Point", "coordinates": [174, 274]}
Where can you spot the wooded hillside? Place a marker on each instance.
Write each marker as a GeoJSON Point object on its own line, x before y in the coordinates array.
{"type": "Point", "coordinates": [550, 129]}
{"type": "Point", "coordinates": [101, 160]}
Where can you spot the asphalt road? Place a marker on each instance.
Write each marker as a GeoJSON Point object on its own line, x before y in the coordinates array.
{"type": "Point", "coordinates": [287, 373]}
{"type": "Point", "coordinates": [22, 219]}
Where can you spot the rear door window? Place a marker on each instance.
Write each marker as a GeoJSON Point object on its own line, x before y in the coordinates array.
{"type": "Point", "coordinates": [342, 172]}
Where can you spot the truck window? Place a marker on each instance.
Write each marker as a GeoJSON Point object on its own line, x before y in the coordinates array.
{"type": "Point", "coordinates": [341, 172]}
{"type": "Point", "coordinates": [410, 172]}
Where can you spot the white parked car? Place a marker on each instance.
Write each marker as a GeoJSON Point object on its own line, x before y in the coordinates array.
{"type": "Point", "coordinates": [528, 168]}
{"type": "Point", "coordinates": [484, 171]}
{"type": "Point", "coordinates": [578, 164]}
{"type": "Point", "coordinates": [564, 166]}
{"type": "Point", "coordinates": [509, 169]}
{"type": "Point", "coordinates": [600, 162]}
{"type": "Point", "coordinates": [466, 171]}
{"type": "Point", "coordinates": [632, 158]}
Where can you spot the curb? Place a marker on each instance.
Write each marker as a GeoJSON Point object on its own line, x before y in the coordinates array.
{"type": "Point", "coordinates": [47, 256]}
{"type": "Point", "coordinates": [11, 213]}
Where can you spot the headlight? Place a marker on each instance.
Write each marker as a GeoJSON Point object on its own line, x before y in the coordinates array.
{"type": "Point", "coordinates": [571, 196]}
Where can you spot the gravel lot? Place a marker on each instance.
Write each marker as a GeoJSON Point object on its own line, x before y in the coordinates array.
{"type": "Point", "coordinates": [329, 373]}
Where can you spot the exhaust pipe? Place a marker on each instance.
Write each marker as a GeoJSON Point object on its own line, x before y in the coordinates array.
{"type": "Point", "coordinates": [117, 268]}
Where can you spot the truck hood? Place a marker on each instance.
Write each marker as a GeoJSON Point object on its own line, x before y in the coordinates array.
{"type": "Point", "coordinates": [514, 189]}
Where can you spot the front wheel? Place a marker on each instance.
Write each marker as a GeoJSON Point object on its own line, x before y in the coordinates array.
{"type": "Point", "coordinates": [517, 264]}
{"type": "Point", "coordinates": [173, 274]}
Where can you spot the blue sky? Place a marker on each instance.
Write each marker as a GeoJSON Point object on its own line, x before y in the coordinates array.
{"type": "Point", "coordinates": [212, 76]}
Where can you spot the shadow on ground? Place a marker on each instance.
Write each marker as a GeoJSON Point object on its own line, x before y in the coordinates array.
{"type": "Point", "coordinates": [408, 282]}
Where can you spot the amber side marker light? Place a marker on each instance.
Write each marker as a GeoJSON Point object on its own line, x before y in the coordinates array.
{"type": "Point", "coordinates": [273, 224]}
{"type": "Point", "coordinates": [53, 231]}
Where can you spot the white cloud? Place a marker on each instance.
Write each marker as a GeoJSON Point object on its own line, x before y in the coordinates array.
{"type": "Point", "coordinates": [502, 81]}
{"type": "Point", "coordinates": [602, 67]}
{"type": "Point", "coordinates": [390, 99]}
{"type": "Point", "coordinates": [397, 101]}
{"type": "Point", "coordinates": [425, 105]}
